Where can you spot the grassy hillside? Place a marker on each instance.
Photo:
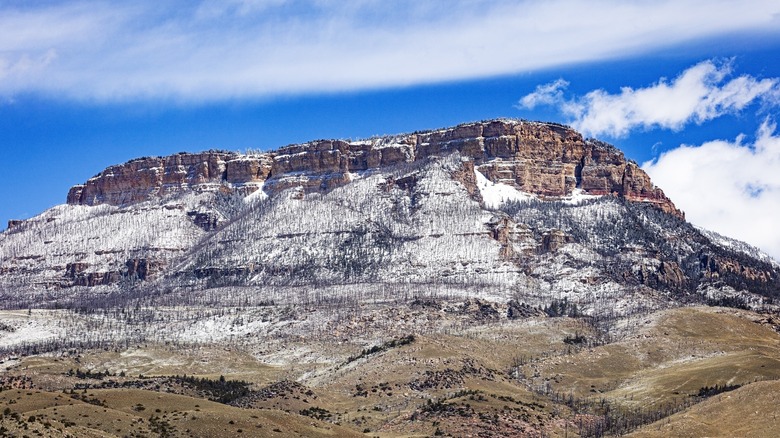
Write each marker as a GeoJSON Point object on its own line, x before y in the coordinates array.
{"type": "Point", "coordinates": [468, 373]}
{"type": "Point", "coordinates": [750, 411]}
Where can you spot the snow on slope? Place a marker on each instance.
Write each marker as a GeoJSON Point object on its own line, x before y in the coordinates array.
{"type": "Point", "coordinates": [33, 327]}
{"type": "Point", "coordinates": [417, 225]}
{"type": "Point", "coordinates": [738, 246]}
{"type": "Point", "coordinates": [372, 228]}
{"type": "Point", "coordinates": [99, 238]}
{"type": "Point", "coordinates": [578, 196]}
{"type": "Point", "coordinates": [496, 194]}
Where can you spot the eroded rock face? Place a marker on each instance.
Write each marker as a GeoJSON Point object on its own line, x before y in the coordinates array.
{"type": "Point", "coordinates": [517, 310]}
{"type": "Point", "coordinates": [208, 221]}
{"type": "Point", "coordinates": [714, 267]}
{"type": "Point", "coordinates": [504, 231]}
{"type": "Point", "coordinates": [662, 274]}
{"type": "Point", "coordinates": [142, 269]}
{"type": "Point", "coordinates": [553, 240]}
{"type": "Point", "coordinates": [466, 176]}
{"type": "Point", "coordinates": [544, 159]}
{"type": "Point", "coordinates": [250, 168]}
{"type": "Point", "coordinates": [79, 274]}
{"type": "Point", "coordinates": [147, 178]}
{"type": "Point", "coordinates": [13, 223]}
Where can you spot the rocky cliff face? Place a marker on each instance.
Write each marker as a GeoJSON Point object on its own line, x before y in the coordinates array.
{"type": "Point", "coordinates": [538, 158]}
{"type": "Point", "coordinates": [147, 178]}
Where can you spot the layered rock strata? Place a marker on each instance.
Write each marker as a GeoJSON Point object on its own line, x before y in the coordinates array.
{"type": "Point", "coordinates": [545, 159]}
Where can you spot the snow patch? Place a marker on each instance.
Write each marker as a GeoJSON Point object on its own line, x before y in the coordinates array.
{"type": "Point", "coordinates": [738, 246]}
{"type": "Point", "coordinates": [577, 196]}
{"type": "Point", "coordinates": [258, 195]}
{"type": "Point", "coordinates": [28, 328]}
{"type": "Point", "coordinates": [496, 194]}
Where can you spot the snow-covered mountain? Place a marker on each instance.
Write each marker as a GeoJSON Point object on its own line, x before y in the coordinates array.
{"type": "Point", "coordinates": [501, 209]}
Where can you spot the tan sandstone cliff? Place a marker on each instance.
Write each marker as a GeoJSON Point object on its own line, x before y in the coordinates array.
{"type": "Point", "coordinates": [545, 159]}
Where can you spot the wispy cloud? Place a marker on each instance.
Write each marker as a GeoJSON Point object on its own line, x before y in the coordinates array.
{"type": "Point", "coordinates": [727, 186]}
{"type": "Point", "coordinates": [545, 94]}
{"type": "Point", "coordinates": [254, 48]}
{"type": "Point", "coordinates": [700, 93]}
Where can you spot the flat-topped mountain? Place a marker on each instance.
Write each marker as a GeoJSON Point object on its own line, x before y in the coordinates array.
{"type": "Point", "coordinates": [537, 158]}
{"type": "Point", "coordinates": [501, 278]}
{"type": "Point", "coordinates": [503, 208]}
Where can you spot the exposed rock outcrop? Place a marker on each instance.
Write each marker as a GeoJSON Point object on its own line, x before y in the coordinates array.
{"type": "Point", "coordinates": [540, 158]}
{"type": "Point", "coordinates": [142, 269]}
{"type": "Point", "coordinates": [466, 176]}
{"type": "Point", "coordinates": [150, 177]}
{"type": "Point", "coordinates": [13, 223]}
{"type": "Point", "coordinates": [76, 274]}
{"type": "Point", "coordinates": [517, 310]}
{"type": "Point", "coordinates": [661, 274]}
{"type": "Point", "coordinates": [208, 221]}
{"type": "Point", "coordinates": [554, 239]}
{"type": "Point", "coordinates": [714, 267]}
{"type": "Point", "coordinates": [79, 273]}
{"type": "Point", "coordinates": [517, 241]}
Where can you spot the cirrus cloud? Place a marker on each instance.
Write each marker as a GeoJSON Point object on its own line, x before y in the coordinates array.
{"type": "Point", "coordinates": [255, 48]}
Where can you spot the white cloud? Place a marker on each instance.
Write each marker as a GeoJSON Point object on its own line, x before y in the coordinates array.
{"type": "Point", "coordinates": [545, 94]}
{"type": "Point", "coordinates": [732, 188]}
{"type": "Point", "coordinates": [256, 48]}
{"type": "Point", "coordinates": [728, 187]}
{"type": "Point", "coordinates": [25, 65]}
{"type": "Point", "coordinates": [699, 94]}
{"type": "Point", "coordinates": [211, 9]}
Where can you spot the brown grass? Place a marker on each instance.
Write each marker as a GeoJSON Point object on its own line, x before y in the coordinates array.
{"type": "Point", "coordinates": [663, 357]}
{"type": "Point", "coordinates": [750, 411]}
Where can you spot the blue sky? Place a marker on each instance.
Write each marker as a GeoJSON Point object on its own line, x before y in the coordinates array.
{"type": "Point", "coordinates": [689, 88]}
